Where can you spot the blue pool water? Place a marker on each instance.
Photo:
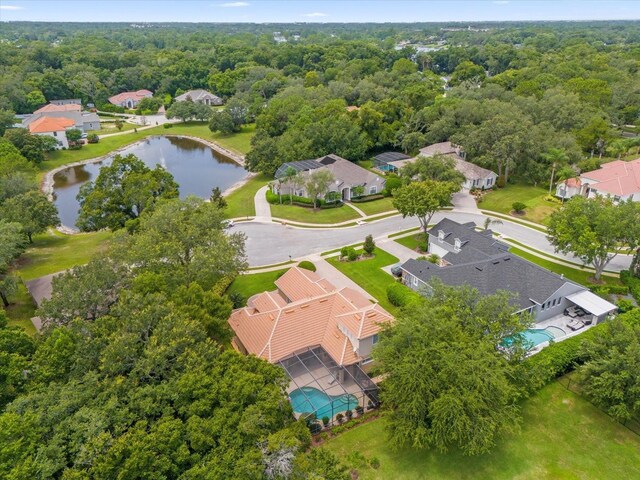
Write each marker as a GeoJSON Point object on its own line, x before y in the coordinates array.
{"type": "Point", "coordinates": [309, 399]}
{"type": "Point", "coordinates": [533, 337]}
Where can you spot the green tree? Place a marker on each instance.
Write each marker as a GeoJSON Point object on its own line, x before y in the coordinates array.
{"type": "Point", "coordinates": [73, 136]}
{"type": "Point", "coordinates": [119, 124]}
{"type": "Point", "coordinates": [12, 244]}
{"type": "Point", "coordinates": [121, 192]}
{"type": "Point", "coordinates": [610, 377]}
{"type": "Point", "coordinates": [289, 178]}
{"type": "Point", "coordinates": [182, 110]}
{"type": "Point", "coordinates": [32, 210]}
{"type": "Point", "coordinates": [222, 122]}
{"type": "Point", "coordinates": [369, 245]}
{"type": "Point", "coordinates": [557, 159]}
{"type": "Point", "coordinates": [423, 199]}
{"type": "Point", "coordinates": [446, 384]}
{"type": "Point", "coordinates": [35, 99]}
{"type": "Point", "coordinates": [31, 147]}
{"type": "Point", "coordinates": [217, 199]}
{"type": "Point", "coordinates": [595, 230]}
{"type": "Point", "coordinates": [16, 348]}
{"type": "Point", "coordinates": [318, 183]}
{"type": "Point", "coordinates": [7, 120]}
{"type": "Point", "coordinates": [439, 167]}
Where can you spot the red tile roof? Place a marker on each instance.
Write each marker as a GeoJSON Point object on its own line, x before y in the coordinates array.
{"type": "Point", "coordinates": [615, 178]}
{"type": "Point", "coordinates": [137, 95]}
{"type": "Point", "coordinates": [50, 124]}
{"type": "Point", "coordinates": [52, 107]}
{"type": "Point", "coordinates": [319, 315]}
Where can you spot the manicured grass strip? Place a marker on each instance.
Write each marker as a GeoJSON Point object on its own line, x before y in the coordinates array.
{"type": "Point", "coordinates": [53, 251]}
{"type": "Point", "coordinates": [239, 142]}
{"type": "Point", "coordinates": [357, 246]}
{"type": "Point", "coordinates": [368, 274]}
{"type": "Point", "coordinates": [403, 232]}
{"type": "Point", "coordinates": [240, 203]}
{"type": "Point", "coordinates": [309, 215]}
{"type": "Point", "coordinates": [376, 206]}
{"type": "Point", "coordinates": [292, 263]}
{"type": "Point", "coordinates": [21, 310]}
{"type": "Point", "coordinates": [538, 209]}
{"type": "Point", "coordinates": [413, 241]}
{"type": "Point", "coordinates": [563, 437]}
{"type": "Point", "coordinates": [251, 283]}
{"type": "Point", "coordinates": [573, 274]}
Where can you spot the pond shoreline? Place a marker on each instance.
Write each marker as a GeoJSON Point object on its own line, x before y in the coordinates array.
{"type": "Point", "coordinates": [47, 184]}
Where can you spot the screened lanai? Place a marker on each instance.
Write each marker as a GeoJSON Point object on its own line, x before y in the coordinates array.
{"type": "Point", "coordinates": [321, 387]}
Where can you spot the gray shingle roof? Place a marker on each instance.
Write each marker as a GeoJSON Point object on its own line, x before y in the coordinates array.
{"type": "Point", "coordinates": [197, 95]}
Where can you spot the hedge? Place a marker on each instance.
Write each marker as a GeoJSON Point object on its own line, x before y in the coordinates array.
{"type": "Point", "coordinates": [367, 198]}
{"type": "Point", "coordinates": [274, 199]}
{"type": "Point", "coordinates": [632, 282]}
{"type": "Point", "coordinates": [604, 290]}
{"type": "Point", "coordinates": [307, 265]}
{"type": "Point", "coordinates": [400, 295]}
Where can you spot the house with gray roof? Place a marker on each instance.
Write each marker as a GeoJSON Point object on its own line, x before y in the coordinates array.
{"type": "Point", "coordinates": [476, 258]}
{"type": "Point", "coordinates": [347, 176]}
{"type": "Point", "coordinates": [200, 96]}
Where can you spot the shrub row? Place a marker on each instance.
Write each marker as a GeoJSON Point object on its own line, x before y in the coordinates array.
{"type": "Point", "coordinates": [274, 199]}
{"type": "Point", "coordinates": [108, 107]}
{"type": "Point", "coordinates": [400, 295]}
{"type": "Point", "coordinates": [604, 290]}
{"type": "Point", "coordinates": [367, 198]}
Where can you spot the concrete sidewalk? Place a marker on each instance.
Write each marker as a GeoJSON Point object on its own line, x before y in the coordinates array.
{"type": "Point", "coordinates": [263, 209]}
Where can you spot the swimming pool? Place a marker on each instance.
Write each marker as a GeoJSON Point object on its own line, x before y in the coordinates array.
{"type": "Point", "coordinates": [309, 399]}
{"type": "Point", "coordinates": [533, 337]}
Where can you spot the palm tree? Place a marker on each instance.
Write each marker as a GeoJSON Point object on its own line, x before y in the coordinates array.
{"type": "Point", "coordinates": [491, 221]}
{"type": "Point", "coordinates": [556, 158]}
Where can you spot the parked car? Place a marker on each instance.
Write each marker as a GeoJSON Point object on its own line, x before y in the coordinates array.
{"type": "Point", "coordinates": [228, 223]}
{"type": "Point", "coordinates": [396, 270]}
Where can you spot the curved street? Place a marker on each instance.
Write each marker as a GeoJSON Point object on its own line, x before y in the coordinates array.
{"type": "Point", "coordinates": [270, 243]}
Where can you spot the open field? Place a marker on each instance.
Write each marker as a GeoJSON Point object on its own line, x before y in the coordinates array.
{"type": "Point", "coordinates": [501, 200]}
{"type": "Point", "coordinates": [53, 251]}
{"type": "Point", "coordinates": [563, 437]}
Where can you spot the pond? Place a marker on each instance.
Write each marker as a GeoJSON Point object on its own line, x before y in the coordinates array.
{"type": "Point", "coordinates": [196, 167]}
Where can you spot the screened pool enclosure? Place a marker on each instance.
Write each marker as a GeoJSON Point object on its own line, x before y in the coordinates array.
{"type": "Point", "coordinates": [321, 387]}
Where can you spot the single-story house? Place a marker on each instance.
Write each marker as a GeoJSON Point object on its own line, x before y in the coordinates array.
{"type": "Point", "coordinates": [130, 99]}
{"type": "Point", "coordinates": [54, 127]}
{"type": "Point", "coordinates": [320, 335]}
{"type": "Point", "coordinates": [59, 107]}
{"type": "Point", "coordinates": [347, 176]}
{"type": "Point", "coordinates": [200, 96]}
{"type": "Point", "coordinates": [617, 179]}
{"type": "Point", "coordinates": [67, 101]}
{"type": "Point", "coordinates": [476, 258]}
{"type": "Point", "coordinates": [386, 161]}
{"type": "Point", "coordinates": [85, 121]}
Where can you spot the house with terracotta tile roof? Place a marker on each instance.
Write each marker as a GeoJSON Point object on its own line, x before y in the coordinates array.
{"type": "Point", "coordinates": [55, 127]}
{"type": "Point", "coordinates": [130, 99]}
{"type": "Point", "coordinates": [618, 179]}
{"type": "Point", "coordinates": [319, 334]}
{"type": "Point", "coordinates": [55, 107]}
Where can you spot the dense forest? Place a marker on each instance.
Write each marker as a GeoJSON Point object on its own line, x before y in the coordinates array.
{"type": "Point", "coordinates": [133, 375]}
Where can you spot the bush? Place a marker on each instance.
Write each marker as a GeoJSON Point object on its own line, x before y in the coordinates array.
{"type": "Point", "coordinates": [367, 198]}
{"type": "Point", "coordinates": [237, 299]}
{"type": "Point", "coordinates": [167, 125]}
{"type": "Point", "coordinates": [393, 182]}
{"type": "Point", "coordinates": [93, 138]}
{"type": "Point", "coordinates": [501, 182]}
{"type": "Point", "coordinates": [325, 420]}
{"type": "Point", "coordinates": [353, 255]}
{"type": "Point", "coordinates": [307, 265]}
{"type": "Point", "coordinates": [349, 414]}
{"type": "Point", "coordinates": [344, 252]}
{"type": "Point", "coordinates": [518, 207]}
{"type": "Point", "coordinates": [315, 428]}
{"type": "Point", "coordinates": [339, 418]}
{"type": "Point", "coordinates": [397, 294]}
{"type": "Point", "coordinates": [369, 245]}
{"type": "Point", "coordinates": [359, 410]}
{"type": "Point", "coordinates": [552, 199]}
{"type": "Point", "coordinates": [625, 305]}
{"type": "Point", "coordinates": [108, 107]}
{"type": "Point", "coordinates": [632, 282]}
{"type": "Point", "coordinates": [433, 258]}
{"type": "Point", "coordinates": [375, 463]}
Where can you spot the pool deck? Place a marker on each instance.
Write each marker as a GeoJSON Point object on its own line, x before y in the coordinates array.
{"type": "Point", "coordinates": [558, 322]}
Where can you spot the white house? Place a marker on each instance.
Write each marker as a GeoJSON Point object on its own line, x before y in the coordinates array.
{"type": "Point", "coordinates": [130, 99]}
{"type": "Point", "coordinates": [54, 127]}
{"type": "Point", "coordinates": [617, 179]}
{"type": "Point", "coordinates": [200, 96]}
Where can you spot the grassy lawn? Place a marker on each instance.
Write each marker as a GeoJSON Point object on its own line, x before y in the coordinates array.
{"type": "Point", "coordinates": [413, 241]}
{"type": "Point", "coordinates": [563, 437]}
{"type": "Point", "coordinates": [54, 251]}
{"type": "Point", "coordinates": [501, 199]}
{"type": "Point", "coordinates": [252, 283]}
{"type": "Point", "coordinates": [376, 206]}
{"type": "Point", "coordinates": [368, 274]}
{"type": "Point", "coordinates": [21, 310]}
{"type": "Point", "coordinates": [571, 273]}
{"type": "Point", "coordinates": [240, 202]}
{"type": "Point", "coordinates": [309, 215]}
{"type": "Point", "coordinates": [239, 142]}
{"type": "Point", "coordinates": [110, 127]}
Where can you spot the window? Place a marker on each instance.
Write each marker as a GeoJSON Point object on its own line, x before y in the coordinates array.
{"type": "Point", "coordinates": [553, 304]}
{"type": "Point", "coordinates": [367, 360]}
{"type": "Point", "coordinates": [489, 181]}
{"type": "Point", "coordinates": [373, 190]}
{"type": "Point", "coordinates": [617, 198]}
{"type": "Point", "coordinates": [374, 339]}
{"type": "Point", "coordinates": [457, 245]}
{"type": "Point", "coordinates": [440, 235]}
{"type": "Point", "coordinates": [55, 134]}
{"type": "Point", "coordinates": [414, 280]}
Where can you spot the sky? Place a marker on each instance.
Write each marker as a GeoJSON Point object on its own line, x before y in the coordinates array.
{"type": "Point", "coordinates": [269, 11]}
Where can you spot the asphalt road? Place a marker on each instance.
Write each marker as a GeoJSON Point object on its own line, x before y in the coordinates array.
{"type": "Point", "coordinates": [269, 243]}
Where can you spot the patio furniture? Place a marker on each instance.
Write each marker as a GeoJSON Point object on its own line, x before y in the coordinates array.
{"type": "Point", "coordinates": [575, 325]}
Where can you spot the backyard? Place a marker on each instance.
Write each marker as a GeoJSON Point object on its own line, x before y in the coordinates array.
{"type": "Point", "coordinates": [537, 208]}
{"type": "Point", "coordinates": [563, 437]}
{"type": "Point", "coordinates": [369, 275]}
